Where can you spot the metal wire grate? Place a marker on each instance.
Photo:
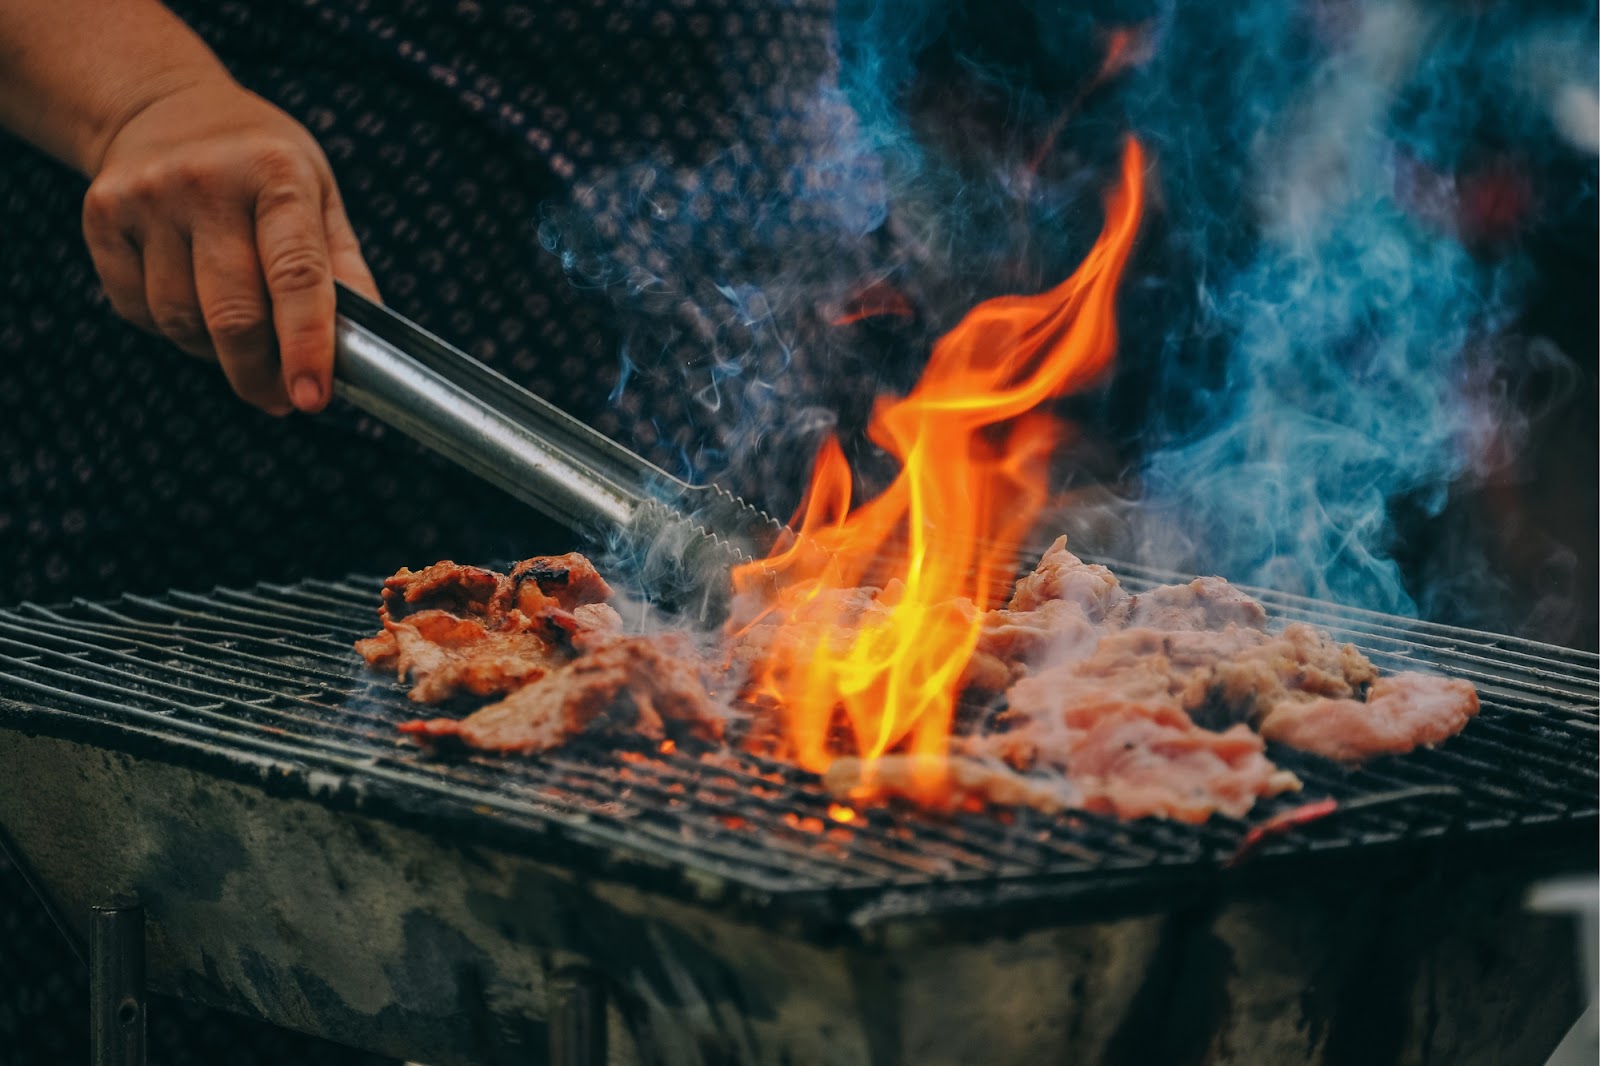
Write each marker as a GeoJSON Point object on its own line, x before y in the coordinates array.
{"type": "Point", "coordinates": [268, 673]}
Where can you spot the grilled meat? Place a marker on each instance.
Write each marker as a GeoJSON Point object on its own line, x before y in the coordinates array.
{"type": "Point", "coordinates": [1124, 741]}
{"type": "Point", "coordinates": [968, 783]}
{"type": "Point", "coordinates": [1133, 764]}
{"type": "Point", "coordinates": [1204, 645]}
{"type": "Point", "coordinates": [448, 656]}
{"type": "Point", "coordinates": [463, 630]}
{"type": "Point", "coordinates": [1061, 575]}
{"type": "Point", "coordinates": [568, 581]}
{"type": "Point", "coordinates": [651, 686]}
{"type": "Point", "coordinates": [1400, 713]}
{"type": "Point", "coordinates": [1203, 604]}
{"type": "Point", "coordinates": [1218, 677]}
{"type": "Point", "coordinates": [565, 581]}
{"type": "Point", "coordinates": [1012, 641]}
{"type": "Point", "coordinates": [444, 586]}
{"type": "Point", "coordinates": [1155, 704]}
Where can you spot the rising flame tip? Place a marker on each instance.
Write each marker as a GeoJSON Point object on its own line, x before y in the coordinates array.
{"type": "Point", "coordinates": [863, 674]}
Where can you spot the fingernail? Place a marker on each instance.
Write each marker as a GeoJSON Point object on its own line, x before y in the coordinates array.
{"type": "Point", "coordinates": [306, 393]}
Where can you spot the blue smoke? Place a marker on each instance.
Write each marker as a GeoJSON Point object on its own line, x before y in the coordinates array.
{"type": "Point", "coordinates": [1317, 344]}
{"type": "Point", "coordinates": [1355, 317]}
{"type": "Point", "coordinates": [1312, 342]}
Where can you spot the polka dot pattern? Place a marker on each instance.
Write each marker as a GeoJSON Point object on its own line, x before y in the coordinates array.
{"type": "Point", "coordinates": [599, 200]}
{"type": "Point", "coordinates": [643, 210]}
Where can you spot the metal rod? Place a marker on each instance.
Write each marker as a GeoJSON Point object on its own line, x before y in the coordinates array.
{"type": "Point", "coordinates": [116, 986]}
{"type": "Point", "coordinates": [466, 412]}
{"type": "Point", "coordinates": [577, 1019]}
{"type": "Point", "coordinates": [13, 854]}
{"type": "Point", "coordinates": [381, 380]}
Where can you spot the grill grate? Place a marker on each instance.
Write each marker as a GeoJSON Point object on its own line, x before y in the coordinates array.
{"type": "Point", "coordinates": [268, 674]}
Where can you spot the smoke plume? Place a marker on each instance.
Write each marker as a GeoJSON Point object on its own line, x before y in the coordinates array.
{"type": "Point", "coordinates": [1326, 362]}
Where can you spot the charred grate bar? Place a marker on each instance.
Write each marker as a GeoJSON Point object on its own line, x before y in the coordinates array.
{"type": "Point", "coordinates": [262, 684]}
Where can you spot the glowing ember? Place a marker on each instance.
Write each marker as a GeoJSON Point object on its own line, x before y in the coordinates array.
{"type": "Point", "coordinates": [840, 813]}
{"type": "Point", "coordinates": [972, 446]}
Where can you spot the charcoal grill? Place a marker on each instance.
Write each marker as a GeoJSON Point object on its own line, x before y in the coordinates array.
{"type": "Point", "coordinates": [223, 759]}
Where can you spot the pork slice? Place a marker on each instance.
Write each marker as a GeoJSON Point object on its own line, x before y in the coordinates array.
{"type": "Point", "coordinates": [444, 586]}
{"type": "Point", "coordinates": [1046, 712]}
{"type": "Point", "coordinates": [1116, 724]}
{"type": "Point", "coordinates": [1401, 712]}
{"type": "Point", "coordinates": [561, 581]}
{"type": "Point", "coordinates": [1135, 765]}
{"type": "Point", "coordinates": [1070, 693]}
{"type": "Point", "coordinates": [447, 656]}
{"type": "Point", "coordinates": [598, 617]}
{"type": "Point", "coordinates": [1220, 677]}
{"type": "Point", "coordinates": [567, 581]}
{"type": "Point", "coordinates": [1061, 575]}
{"type": "Point", "coordinates": [379, 650]}
{"type": "Point", "coordinates": [1206, 603]}
{"type": "Point", "coordinates": [1055, 630]}
{"type": "Point", "coordinates": [1129, 749]}
{"type": "Point", "coordinates": [647, 685]}
{"type": "Point", "coordinates": [1301, 663]}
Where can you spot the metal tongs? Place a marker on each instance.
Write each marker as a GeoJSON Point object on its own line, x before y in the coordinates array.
{"type": "Point", "coordinates": [683, 538]}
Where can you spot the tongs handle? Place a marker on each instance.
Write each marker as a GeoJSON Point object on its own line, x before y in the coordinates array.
{"type": "Point", "coordinates": [402, 375]}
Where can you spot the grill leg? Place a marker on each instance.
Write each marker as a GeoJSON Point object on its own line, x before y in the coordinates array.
{"type": "Point", "coordinates": [116, 986]}
{"type": "Point", "coordinates": [577, 1019]}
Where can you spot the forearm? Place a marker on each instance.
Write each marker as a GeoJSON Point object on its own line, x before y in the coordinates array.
{"type": "Point", "coordinates": [73, 72]}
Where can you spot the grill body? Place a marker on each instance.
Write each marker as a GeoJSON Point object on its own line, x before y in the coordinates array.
{"type": "Point", "coordinates": [223, 758]}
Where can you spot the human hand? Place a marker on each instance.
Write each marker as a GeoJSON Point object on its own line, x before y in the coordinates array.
{"type": "Point", "coordinates": [214, 221]}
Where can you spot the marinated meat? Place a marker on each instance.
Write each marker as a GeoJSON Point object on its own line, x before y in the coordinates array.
{"type": "Point", "coordinates": [1400, 713]}
{"type": "Point", "coordinates": [444, 586]}
{"type": "Point", "coordinates": [1220, 677]}
{"type": "Point", "coordinates": [1012, 641]}
{"type": "Point", "coordinates": [1297, 665]}
{"type": "Point", "coordinates": [447, 656]}
{"type": "Point", "coordinates": [651, 686]}
{"type": "Point", "coordinates": [1215, 678]}
{"type": "Point", "coordinates": [379, 650]}
{"type": "Point", "coordinates": [1133, 764]}
{"type": "Point", "coordinates": [1129, 749]}
{"type": "Point", "coordinates": [463, 630]}
{"type": "Point", "coordinates": [1151, 704]}
{"type": "Point", "coordinates": [1204, 603]}
{"type": "Point", "coordinates": [566, 581]}
{"type": "Point", "coordinates": [1061, 575]}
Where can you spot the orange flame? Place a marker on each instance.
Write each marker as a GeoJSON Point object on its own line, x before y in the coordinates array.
{"type": "Point", "coordinates": [1126, 47]}
{"type": "Point", "coordinates": [972, 449]}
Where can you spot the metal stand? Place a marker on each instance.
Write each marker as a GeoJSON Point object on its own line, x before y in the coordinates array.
{"type": "Point", "coordinates": [577, 1019]}
{"type": "Point", "coordinates": [116, 986]}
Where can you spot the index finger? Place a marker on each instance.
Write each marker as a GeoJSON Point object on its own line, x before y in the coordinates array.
{"type": "Point", "coordinates": [294, 262]}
